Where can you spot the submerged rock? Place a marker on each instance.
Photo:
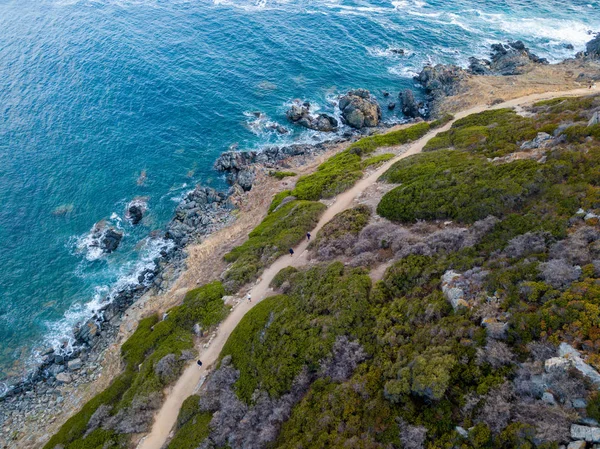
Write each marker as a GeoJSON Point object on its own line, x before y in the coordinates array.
{"type": "Point", "coordinates": [111, 240]}
{"type": "Point", "coordinates": [360, 109]}
{"type": "Point", "coordinates": [135, 213]}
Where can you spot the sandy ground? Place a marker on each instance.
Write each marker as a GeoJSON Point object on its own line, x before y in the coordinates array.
{"type": "Point", "coordinates": [193, 375]}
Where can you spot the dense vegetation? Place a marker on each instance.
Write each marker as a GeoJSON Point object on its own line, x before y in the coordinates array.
{"type": "Point", "coordinates": [153, 357]}
{"type": "Point", "coordinates": [417, 372]}
{"type": "Point", "coordinates": [340, 172]}
{"type": "Point", "coordinates": [282, 229]}
{"type": "Point", "coordinates": [336, 360]}
{"type": "Point", "coordinates": [462, 184]}
{"type": "Point", "coordinates": [335, 233]}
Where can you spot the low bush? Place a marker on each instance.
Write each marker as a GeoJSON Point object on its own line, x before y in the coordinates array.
{"type": "Point", "coordinates": [454, 185]}
{"type": "Point", "coordinates": [278, 198]}
{"type": "Point", "coordinates": [369, 144]}
{"type": "Point", "coordinates": [152, 341]}
{"type": "Point", "coordinates": [192, 425]}
{"type": "Point", "coordinates": [281, 174]}
{"type": "Point", "coordinates": [336, 174]}
{"type": "Point", "coordinates": [492, 133]}
{"type": "Point", "coordinates": [285, 333]}
{"type": "Point", "coordinates": [279, 231]}
{"type": "Point", "coordinates": [376, 160]}
{"type": "Point", "coordinates": [348, 222]}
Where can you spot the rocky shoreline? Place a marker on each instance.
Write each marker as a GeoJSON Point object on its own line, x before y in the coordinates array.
{"type": "Point", "coordinates": [511, 59]}
{"type": "Point", "coordinates": [45, 390]}
{"type": "Point", "coordinates": [204, 210]}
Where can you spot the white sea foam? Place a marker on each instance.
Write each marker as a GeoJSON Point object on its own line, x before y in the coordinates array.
{"type": "Point", "coordinates": [89, 244]}
{"type": "Point", "coordinates": [261, 125]}
{"type": "Point", "coordinates": [60, 333]}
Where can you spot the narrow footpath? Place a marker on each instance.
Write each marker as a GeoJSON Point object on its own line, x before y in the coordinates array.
{"type": "Point", "coordinates": [187, 383]}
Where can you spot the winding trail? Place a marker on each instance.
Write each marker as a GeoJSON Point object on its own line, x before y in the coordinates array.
{"type": "Point", "coordinates": [193, 375]}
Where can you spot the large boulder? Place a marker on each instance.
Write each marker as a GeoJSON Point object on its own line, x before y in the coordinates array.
{"type": "Point", "coordinates": [592, 48]}
{"type": "Point", "coordinates": [360, 109]}
{"type": "Point", "coordinates": [410, 107]}
{"type": "Point", "coordinates": [299, 113]}
{"type": "Point", "coordinates": [441, 80]}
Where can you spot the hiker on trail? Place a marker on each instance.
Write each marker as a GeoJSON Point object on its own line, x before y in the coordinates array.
{"type": "Point", "coordinates": [249, 296]}
{"type": "Point", "coordinates": [199, 363]}
{"type": "Point", "coordinates": [308, 236]}
{"type": "Point", "coordinates": [291, 252]}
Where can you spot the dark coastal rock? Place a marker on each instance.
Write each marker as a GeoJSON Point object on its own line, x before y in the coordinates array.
{"type": "Point", "coordinates": [197, 212]}
{"type": "Point", "coordinates": [300, 115]}
{"type": "Point", "coordinates": [397, 51]}
{"type": "Point", "coordinates": [391, 106]}
{"type": "Point", "coordinates": [513, 58]}
{"type": "Point", "coordinates": [135, 213]}
{"type": "Point", "coordinates": [238, 165]}
{"type": "Point", "coordinates": [410, 107]}
{"type": "Point", "coordinates": [110, 240]}
{"type": "Point", "coordinates": [441, 80]}
{"type": "Point", "coordinates": [592, 48]}
{"type": "Point", "coordinates": [360, 109]}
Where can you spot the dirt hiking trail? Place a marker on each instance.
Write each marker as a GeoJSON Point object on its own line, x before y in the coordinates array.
{"type": "Point", "coordinates": [188, 382]}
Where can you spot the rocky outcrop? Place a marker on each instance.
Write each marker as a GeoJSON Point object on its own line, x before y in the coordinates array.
{"type": "Point", "coordinates": [410, 106]}
{"type": "Point", "coordinates": [360, 109]}
{"type": "Point", "coordinates": [453, 293]}
{"type": "Point", "coordinates": [513, 58]}
{"type": "Point", "coordinates": [239, 165]}
{"type": "Point", "coordinates": [585, 433]}
{"type": "Point", "coordinates": [105, 237]}
{"type": "Point", "coordinates": [196, 213]}
{"type": "Point", "coordinates": [135, 211]}
{"type": "Point", "coordinates": [300, 114]}
{"type": "Point", "coordinates": [442, 81]}
{"type": "Point", "coordinates": [592, 48]}
{"type": "Point", "coordinates": [570, 357]}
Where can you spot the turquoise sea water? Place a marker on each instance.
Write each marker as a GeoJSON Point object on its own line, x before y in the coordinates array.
{"type": "Point", "coordinates": [102, 102]}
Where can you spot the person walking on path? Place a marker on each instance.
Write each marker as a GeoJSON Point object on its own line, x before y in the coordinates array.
{"type": "Point", "coordinates": [199, 363]}
{"type": "Point", "coordinates": [291, 252]}
{"type": "Point", "coordinates": [308, 236]}
{"type": "Point", "coordinates": [249, 297]}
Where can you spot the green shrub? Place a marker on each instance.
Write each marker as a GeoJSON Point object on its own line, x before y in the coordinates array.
{"type": "Point", "coordinates": [278, 198]}
{"type": "Point", "coordinates": [193, 426]}
{"type": "Point", "coordinates": [369, 144]}
{"type": "Point", "coordinates": [376, 160]}
{"type": "Point", "coordinates": [152, 340]}
{"type": "Point", "coordinates": [492, 133]}
{"type": "Point", "coordinates": [593, 407]}
{"type": "Point", "coordinates": [279, 231]}
{"type": "Point", "coordinates": [350, 221]}
{"type": "Point", "coordinates": [454, 185]}
{"type": "Point", "coordinates": [284, 333]}
{"type": "Point", "coordinates": [438, 123]}
{"type": "Point", "coordinates": [281, 174]}
{"type": "Point", "coordinates": [333, 176]}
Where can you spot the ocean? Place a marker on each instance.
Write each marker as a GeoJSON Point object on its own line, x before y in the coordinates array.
{"type": "Point", "coordinates": [104, 102]}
